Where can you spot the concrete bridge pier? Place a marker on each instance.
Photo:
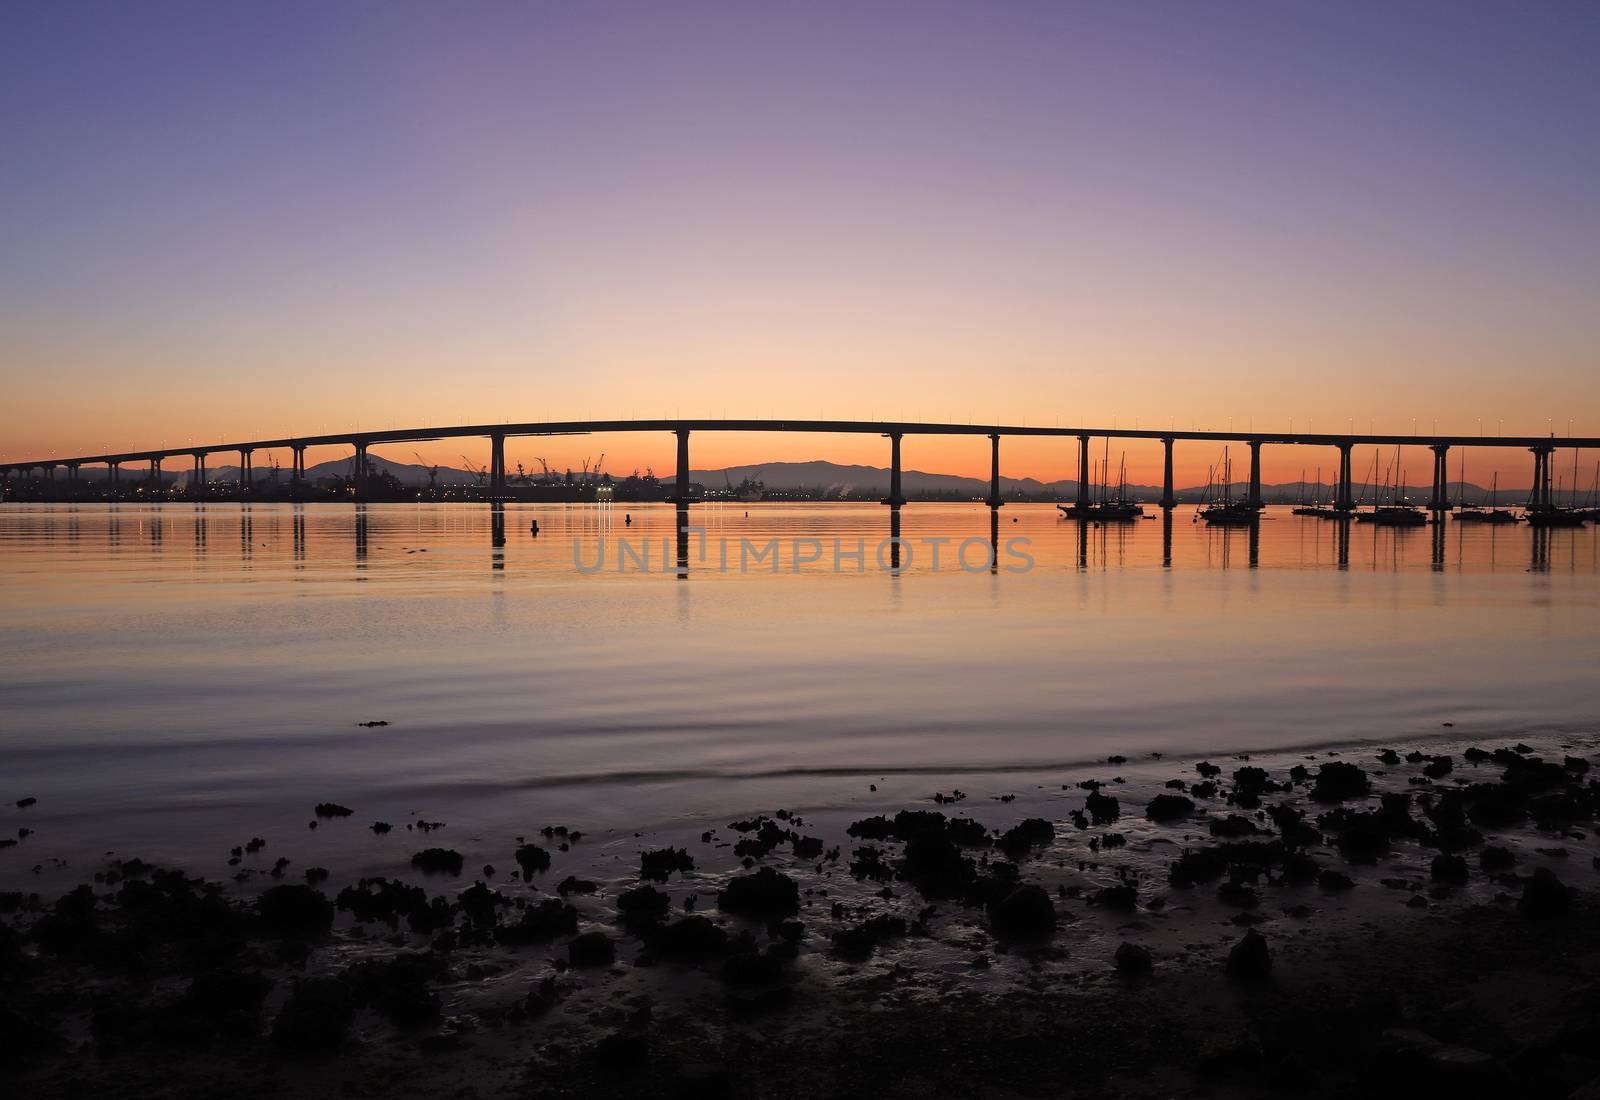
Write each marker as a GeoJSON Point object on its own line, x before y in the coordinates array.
{"type": "Point", "coordinates": [50, 472]}
{"type": "Point", "coordinates": [1344, 500]}
{"type": "Point", "coordinates": [1440, 499]}
{"type": "Point", "coordinates": [199, 472]}
{"type": "Point", "coordinates": [297, 465]}
{"type": "Point", "coordinates": [1083, 471]}
{"type": "Point", "coordinates": [994, 471]}
{"type": "Point", "coordinates": [1254, 497]}
{"type": "Point", "coordinates": [1541, 498]}
{"type": "Point", "coordinates": [1169, 498]}
{"type": "Point", "coordinates": [680, 493]}
{"type": "Point", "coordinates": [155, 472]}
{"type": "Point", "coordinates": [497, 466]}
{"type": "Point", "coordinates": [895, 498]}
{"type": "Point", "coordinates": [72, 473]}
{"type": "Point", "coordinates": [361, 489]}
{"type": "Point", "coordinates": [114, 472]}
{"type": "Point", "coordinates": [246, 478]}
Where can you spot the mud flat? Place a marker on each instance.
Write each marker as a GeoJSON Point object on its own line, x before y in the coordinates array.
{"type": "Point", "coordinates": [1373, 918]}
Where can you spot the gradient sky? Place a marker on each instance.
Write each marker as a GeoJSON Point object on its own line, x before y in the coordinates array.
{"type": "Point", "coordinates": [241, 219]}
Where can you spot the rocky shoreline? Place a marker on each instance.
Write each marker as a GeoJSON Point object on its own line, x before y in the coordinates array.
{"type": "Point", "coordinates": [1364, 919]}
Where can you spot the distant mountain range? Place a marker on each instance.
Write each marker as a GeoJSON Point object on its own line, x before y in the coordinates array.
{"type": "Point", "coordinates": [831, 479]}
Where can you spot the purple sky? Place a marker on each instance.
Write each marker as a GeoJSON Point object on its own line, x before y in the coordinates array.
{"type": "Point", "coordinates": [223, 219]}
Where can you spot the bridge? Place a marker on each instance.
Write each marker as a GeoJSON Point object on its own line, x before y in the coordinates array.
{"type": "Point", "coordinates": [1541, 448]}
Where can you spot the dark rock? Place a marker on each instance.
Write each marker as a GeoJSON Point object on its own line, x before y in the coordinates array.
{"type": "Point", "coordinates": [445, 861]}
{"type": "Point", "coordinates": [1335, 880]}
{"type": "Point", "coordinates": [1122, 898]}
{"type": "Point", "coordinates": [623, 1053]}
{"type": "Point", "coordinates": [692, 937]}
{"type": "Point", "coordinates": [1168, 807]}
{"type": "Point", "coordinates": [387, 900]}
{"type": "Point", "coordinates": [1250, 960]}
{"type": "Point", "coordinates": [540, 922]}
{"type": "Point", "coordinates": [1132, 959]}
{"type": "Point", "coordinates": [532, 859]}
{"type": "Point", "coordinates": [1026, 911]}
{"type": "Point", "coordinates": [1438, 767]}
{"type": "Point", "coordinates": [1449, 868]}
{"type": "Point", "coordinates": [643, 907]}
{"type": "Point", "coordinates": [750, 970]}
{"type": "Point", "coordinates": [480, 903]}
{"type": "Point", "coordinates": [380, 827]}
{"type": "Point", "coordinates": [1019, 840]}
{"type": "Point", "coordinates": [227, 1002]}
{"type": "Point", "coordinates": [1544, 896]}
{"type": "Point", "coordinates": [1496, 858]}
{"type": "Point", "coordinates": [1233, 826]}
{"type": "Point", "coordinates": [592, 949]}
{"type": "Point", "coordinates": [1200, 865]}
{"type": "Point", "coordinates": [1237, 893]}
{"type": "Point", "coordinates": [333, 809]}
{"type": "Point", "coordinates": [934, 864]}
{"type": "Point", "coordinates": [1338, 781]}
{"type": "Point", "coordinates": [295, 911]}
{"type": "Point", "coordinates": [397, 987]}
{"type": "Point", "coordinates": [574, 885]}
{"type": "Point", "coordinates": [659, 864]}
{"type": "Point", "coordinates": [764, 895]}
{"type": "Point", "coordinates": [315, 1019]}
{"type": "Point", "coordinates": [1102, 808]}
{"type": "Point", "coordinates": [808, 847]}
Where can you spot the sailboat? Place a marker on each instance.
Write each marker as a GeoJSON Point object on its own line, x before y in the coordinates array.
{"type": "Point", "coordinates": [1399, 512]}
{"type": "Point", "coordinates": [1107, 509]}
{"type": "Point", "coordinates": [1491, 514]}
{"type": "Point", "coordinates": [1227, 512]}
{"type": "Point", "coordinates": [1591, 511]}
{"type": "Point", "coordinates": [1553, 515]}
{"type": "Point", "coordinates": [1315, 507]}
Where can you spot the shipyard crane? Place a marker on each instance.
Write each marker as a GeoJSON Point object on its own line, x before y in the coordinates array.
{"type": "Point", "coordinates": [544, 466]}
{"type": "Point", "coordinates": [433, 471]}
{"type": "Point", "coordinates": [479, 472]}
{"type": "Point", "coordinates": [598, 465]}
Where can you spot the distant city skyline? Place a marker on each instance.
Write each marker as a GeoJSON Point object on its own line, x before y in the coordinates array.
{"type": "Point", "coordinates": [295, 219]}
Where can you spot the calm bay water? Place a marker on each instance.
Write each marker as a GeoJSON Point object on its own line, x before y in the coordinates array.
{"type": "Point", "coordinates": [178, 674]}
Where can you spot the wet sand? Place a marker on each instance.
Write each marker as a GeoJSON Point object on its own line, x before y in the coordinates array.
{"type": "Point", "coordinates": [972, 940]}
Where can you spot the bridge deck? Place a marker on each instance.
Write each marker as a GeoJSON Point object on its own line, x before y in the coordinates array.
{"type": "Point", "coordinates": [859, 427]}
